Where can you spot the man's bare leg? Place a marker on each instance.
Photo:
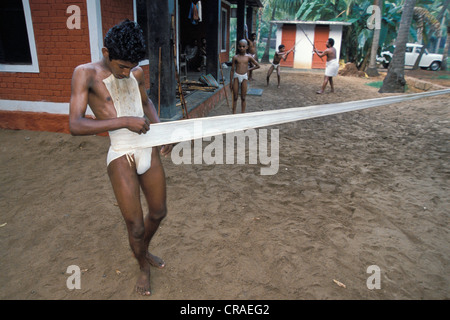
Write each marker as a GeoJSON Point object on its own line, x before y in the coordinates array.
{"type": "Point", "coordinates": [324, 84]}
{"type": "Point", "coordinates": [125, 183]}
{"type": "Point", "coordinates": [278, 77]}
{"type": "Point", "coordinates": [153, 183]}
{"type": "Point", "coordinates": [331, 84]}
{"type": "Point", "coordinates": [243, 95]}
{"type": "Point", "coordinates": [269, 72]}
{"type": "Point", "coordinates": [235, 93]}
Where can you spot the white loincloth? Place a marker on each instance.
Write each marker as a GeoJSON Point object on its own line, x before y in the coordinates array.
{"type": "Point", "coordinates": [126, 97]}
{"type": "Point", "coordinates": [241, 77]}
{"type": "Point", "coordinates": [332, 68]}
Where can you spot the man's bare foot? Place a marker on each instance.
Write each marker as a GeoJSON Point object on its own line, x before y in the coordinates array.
{"type": "Point", "coordinates": [319, 92]}
{"type": "Point", "coordinates": [143, 282]}
{"type": "Point", "coordinates": [155, 261]}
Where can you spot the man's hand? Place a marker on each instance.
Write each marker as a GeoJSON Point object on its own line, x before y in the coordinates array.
{"type": "Point", "coordinates": [166, 149]}
{"type": "Point", "coordinates": [138, 125]}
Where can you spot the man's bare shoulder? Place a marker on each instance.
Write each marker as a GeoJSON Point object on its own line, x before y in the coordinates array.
{"type": "Point", "coordinates": [138, 73]}
{"type": "Point", "coordinates": [86, 71]}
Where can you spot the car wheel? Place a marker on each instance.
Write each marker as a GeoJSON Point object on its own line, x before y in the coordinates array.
{"type": "Point", "coordinates": [435, 65]}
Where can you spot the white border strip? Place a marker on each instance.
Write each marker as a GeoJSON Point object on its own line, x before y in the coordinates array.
{"type": "Point", "coordinates": [34, 106]}
{"type": "Point", "coordinates": [144, 62]}
{"type": "Point", "coordinates": [38, 106]}
{"type": "Point", "coordinates": [94, 14]}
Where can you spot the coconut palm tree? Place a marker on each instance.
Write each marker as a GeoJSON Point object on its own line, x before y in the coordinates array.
{"type": "Point", "coordinates": [422, 15]}
{"type": "Point", "coordinates": [372, 69]}
{"type": "Point", "coordinates": [287, 6]}
{"type": "Point", "coordinates": [395, 78]}
{"type": "Point", "coordinates": [447, 44]}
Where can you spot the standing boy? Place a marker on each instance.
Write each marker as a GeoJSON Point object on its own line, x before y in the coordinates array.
{"type": "Point", "coordinates": [114, 88]}
{"type": "Point", "coordinates": [238, 74]}
{"type": "Point", "coordinates": [253, 51]}
{"type": "Point", "coordinates": [332, 66]}
{"type": "Point", "coordinates": [280, 54]}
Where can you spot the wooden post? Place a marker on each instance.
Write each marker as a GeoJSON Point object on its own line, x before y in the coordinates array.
{"type": "Point", "coordinates": [249, 21]}
{"type": "Point", "coordinates": [240, 22]}
{"type": "Point", "coordinates": [211, 18]}
{"type": "Point", "coordinates": [160, 36]}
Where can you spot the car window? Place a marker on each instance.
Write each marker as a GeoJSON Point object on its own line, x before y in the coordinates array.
{"type": "Point", "coordinates": [409, 49]}
{"type": "Point", "coordinates": [417, 50]}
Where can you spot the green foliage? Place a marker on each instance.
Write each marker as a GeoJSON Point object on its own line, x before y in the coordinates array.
{"type": "Point", "coordinates": [357, 38]}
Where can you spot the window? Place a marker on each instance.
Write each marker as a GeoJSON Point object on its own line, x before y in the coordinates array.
{"type": "Point", "coordinates": [224, 30]}
{"type": "Point", "coordinates": [17, 46]}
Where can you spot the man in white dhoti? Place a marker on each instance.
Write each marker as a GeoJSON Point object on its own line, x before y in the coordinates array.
{"type": "Point", "coordinates": [332, 66]}
{"type": "Point", "coordinates": [114, 88]}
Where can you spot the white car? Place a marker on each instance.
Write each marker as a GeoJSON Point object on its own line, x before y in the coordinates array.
{"type": "Point", "coordinates": [429, 60]}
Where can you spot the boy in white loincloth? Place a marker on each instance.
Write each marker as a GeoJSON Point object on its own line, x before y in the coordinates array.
{"type": "Point", "coordinates": [239, 73]}
{"type": "Point", "coordinates": [332, 66]}
{"type": "Point", "coordinates": [114, 88]}
{"type": "Point", "coordinates": [280, 54]}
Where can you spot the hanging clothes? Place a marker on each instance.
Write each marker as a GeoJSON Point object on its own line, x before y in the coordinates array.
{"type": "Point", "coordinates": [195, 13]}
{"type": "Point", "coordinates": [199, 10]}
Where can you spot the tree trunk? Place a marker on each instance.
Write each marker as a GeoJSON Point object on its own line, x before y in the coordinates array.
{"type": "Point", "coordinates": [365, 61]}
{"type": "Point", "coordinates": [441, 16]}
{"type": "Point", "coordinates": [416, 64]}
{"type": "Point", "coordinates": [395, 78]}
{"type": "Point", "coordinates": [258, 36]}
{"type": "Point", "coordinates": [438, 42]}
{"type": "Point", "coordinates": [372, 69]}
{"type": "Point", "coordinates": [265, 57]}
{"type": "Point", "coordinates": [447, 44]}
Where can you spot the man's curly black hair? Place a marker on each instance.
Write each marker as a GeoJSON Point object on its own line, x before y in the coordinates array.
{"type": "Point", "coordinates": [125, 41]}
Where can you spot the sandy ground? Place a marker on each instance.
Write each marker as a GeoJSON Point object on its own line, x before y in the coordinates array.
{"type": "Point", "coordinates": [352, 191]}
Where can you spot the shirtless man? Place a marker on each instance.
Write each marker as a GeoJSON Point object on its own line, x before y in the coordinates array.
{"type": "Point", "coordinates": [252, 50]}
{"type": "Point", "coordinates": [280, 54]}
{"type": "Point", "coordinates": [133, 169]}
{"type": "Point", "coordinates": [238, 74]}
{"type": "Point", "coordinates": [332, 67]}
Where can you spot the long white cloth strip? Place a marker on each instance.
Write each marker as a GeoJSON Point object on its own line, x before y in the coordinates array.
{"type": "Point", "coordinates": [189, 129]}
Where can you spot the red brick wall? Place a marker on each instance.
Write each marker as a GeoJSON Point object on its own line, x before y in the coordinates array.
{"type": "Point", "coordinates": [114, 11]}
{"type": "Point", "coordinates": [59, 51]}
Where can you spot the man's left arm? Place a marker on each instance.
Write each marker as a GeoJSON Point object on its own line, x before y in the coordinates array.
{"type": "Point", "coordinates": [148, 106]}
